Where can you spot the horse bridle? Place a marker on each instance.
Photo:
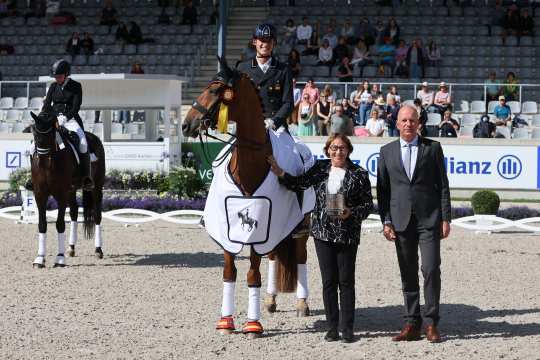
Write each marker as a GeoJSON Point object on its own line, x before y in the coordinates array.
{"type": "Point", "coordinates": [43, 151]}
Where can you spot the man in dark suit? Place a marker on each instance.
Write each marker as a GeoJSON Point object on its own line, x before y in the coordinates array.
{"type": "Point", "coordinates": [272, 77]}
{"type": "Point", "coordinates": [414, 205]}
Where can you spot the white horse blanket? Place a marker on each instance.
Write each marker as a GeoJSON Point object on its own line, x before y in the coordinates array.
{"type": "Point", "coordinates": [267, 217]}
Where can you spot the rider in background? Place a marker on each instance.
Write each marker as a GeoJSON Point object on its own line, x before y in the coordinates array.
{"type": "Point", "coordinates": [64, 98]}
{"type": "Point", "coordinates": [272, 77]}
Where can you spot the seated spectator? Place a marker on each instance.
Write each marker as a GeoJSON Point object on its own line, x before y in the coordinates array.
{"type": "Point", "coordinates": [137, 68]}
{"type": "Point", "coordinates": [323, 111]}
{"type": "Point", "coordinates": [502, 112]}
{"type": "Point", "coordinates": [122, 33]}
{"type": "Point", "coordinates": [443, 100]}
{"type": "Point", "coordinates": [361, 56]}
{"type": "Point", "coordinates": [73, 46]}
{"type": "Point", "coordinates": [347, 31]}
{"type": "Point", "coordinates": [392, 31]}
{"type": "Point", "coordinates": [340, 123]}
{"type": "Point", "coordinates": [331, 37]}
{"type": "Point", "coordinates": [387, 53]}
{"type": "Point", "coordinates": [289, 33]}
{"type": "Point", "coordinates": [448, 127]}
{"type": "Point", "coordinates": [484, 128]}
{"type": "Point", "coordinates": [108, 15]}
{"type": "Point", "coordinates": [434, 56]}
{"type": "Point", "coordinates": [313, 43]}
{"type": "Point", "coordinates": [425, 95]}
{"type": "Point", "coordinates": [294, 62]}
{"type": "Point", "coordinates": [375, 125]}
{"type": "Point", "coordinates": [366, 32]}
{"type": "Point", "coordinates": [344, 72]}
{"type": "Point", "coordinates": [415, 60]}
{"type": "Point", "coordinates": [510, 88]}
{"type": "Point", "coordinates": [526, 23]}
{"type": "Point", "coordinates": [326, 56]}
{"type": "Point", "coordinates": [341, 51]}
{"type": "Point", "coordinates": [391, 110]}
{"type": "Point", "coordinates": [392, 92]}
{"type": "Point", "coordinates": [380, 31]}
{"type": "Point", "coordinates": [306, 118]}
{"type": "Point", "coordinates": [400, 59]}
{"type": "Point", "coordinates": [304, 32]}
{"type": "Point", "coordinates": [87, 44]}
{"type": "Point", "coordinates": [493, 87]}
{"type": "Point", "coordinates": [422, 115]}
{"type": "Point", "coordinates": [312, 91]}
{"type": "Point", "coordinates": [511, 25]}
{"type": "Point", "coordinates": [189, 15]}
{"type": "Point", "coordinates": [135, 34]}
{"type": "Point", "coordinates": [348, 110]}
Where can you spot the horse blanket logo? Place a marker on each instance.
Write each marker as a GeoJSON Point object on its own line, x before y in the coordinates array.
{"type": "Point", "coordinates": [262, 220]}
{"type": "Point", "coordinates": [247, 221]}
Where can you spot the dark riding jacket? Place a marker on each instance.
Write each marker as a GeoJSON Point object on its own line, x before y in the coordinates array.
{"type": "Point", "coordinates": [275, 88]}
{"type": "Point", "coordinates": [65, 99]}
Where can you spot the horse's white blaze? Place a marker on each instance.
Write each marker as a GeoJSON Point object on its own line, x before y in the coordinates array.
{"type": "Point", "coordinates": [271, 287]}
{"type": "Point", "coordinates": [97, 236]}
{"type": "Point", "coordinates": [254, 305]}
{"type": "Point", "coordinates": [42, 244]}
{"type": "Point", "coordinates": [227, 307]}
{"type": "Point", "coordinates": [61, 243]}
{"type": "Point", "coordinates": [73, 233]}
{"type": "Point", "coordinates": [302, 291]}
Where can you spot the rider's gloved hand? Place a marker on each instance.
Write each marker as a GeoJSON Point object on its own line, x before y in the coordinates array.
{"type": "Point", "coordinates": [61, 120]}
{"type": "Point", "coordinates": [269, 124]}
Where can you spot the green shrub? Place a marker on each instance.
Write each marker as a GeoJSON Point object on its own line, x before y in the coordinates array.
{"type": "Point", "coordinates": [185, 182]}
{"type": "Point", "coordinates": [485, 202]}
{"type": "Point", "coordinates": [18, 178]}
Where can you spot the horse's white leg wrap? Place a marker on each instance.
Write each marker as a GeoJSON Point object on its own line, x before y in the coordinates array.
{"type": "Point", "coordinates": [302, 291]}
{"type": "Point", "coordinates": [97, 236]}
{"type": "Point", "coordinates": [73, 233]}
{"type": "Point", "coordinates": [254, 306]}
{"type": "Point", "coordinates": [42, 244]}
{"type": "Point", "coordinates": [61, 243]}
{"type": "Point", "coordinates": [271, 287]}
{"type": "Point", "coordinates": [227, 307]}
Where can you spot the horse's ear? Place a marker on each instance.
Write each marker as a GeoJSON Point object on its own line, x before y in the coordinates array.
{"type": "Point", "coordinates": [34, 116]}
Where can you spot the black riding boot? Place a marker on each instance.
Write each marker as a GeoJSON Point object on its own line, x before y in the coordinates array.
{"type": "Point", "coordinates": [86, 166]}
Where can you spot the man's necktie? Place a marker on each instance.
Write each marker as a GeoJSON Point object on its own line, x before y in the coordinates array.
{"type": "Point", "coordinates": [407, 160]}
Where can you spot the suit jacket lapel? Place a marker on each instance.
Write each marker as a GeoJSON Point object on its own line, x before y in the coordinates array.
{"type": "Point", "coordinates": [419, 155]}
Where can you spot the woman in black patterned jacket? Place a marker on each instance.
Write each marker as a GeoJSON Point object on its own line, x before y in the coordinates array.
{"type": "Point", "coordinates": [336, 237]}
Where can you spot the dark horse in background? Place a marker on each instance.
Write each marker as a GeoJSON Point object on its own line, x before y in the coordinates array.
{"type": "Point", "coordinates": [249, 167]}
{"type": "Point", "coordinates": [55, 173]}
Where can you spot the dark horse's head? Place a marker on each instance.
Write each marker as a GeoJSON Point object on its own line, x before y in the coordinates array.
{"type": "Point", "coordinates": [204, 111]}
{"type": "Point", "coordinates": [43, 130]}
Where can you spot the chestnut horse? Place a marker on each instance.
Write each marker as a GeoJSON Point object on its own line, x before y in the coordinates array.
{"type": "Point", "coordinates": [249, 167]}
{"type": "Point", "coordinates": [55, 173]}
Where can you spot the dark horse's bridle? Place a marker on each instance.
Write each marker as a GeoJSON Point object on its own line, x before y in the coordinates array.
{"type": "Point", "coordinates": [36, 130]}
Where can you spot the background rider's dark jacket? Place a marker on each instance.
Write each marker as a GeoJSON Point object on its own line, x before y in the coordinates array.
{"type": "Point", "coordinates": [275, 88]}
{"type": "Point", "coordinates": [66, 100]}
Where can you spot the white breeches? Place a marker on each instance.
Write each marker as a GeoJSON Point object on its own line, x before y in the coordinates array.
{"type": "Point", "coordinates": [72, 125]}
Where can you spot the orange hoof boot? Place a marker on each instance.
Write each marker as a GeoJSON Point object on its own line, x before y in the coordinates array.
{"type": "Point", "coordinates": [225, 325]}
{"type": "Point", "coordinates": [253, 329]}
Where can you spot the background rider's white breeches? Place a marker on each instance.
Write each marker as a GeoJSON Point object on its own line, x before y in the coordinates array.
{"type": "Point", "coordinates": [72, 125]}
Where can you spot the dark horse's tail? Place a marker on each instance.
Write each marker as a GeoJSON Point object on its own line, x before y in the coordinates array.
{"type": "Point", "coordinates": [287, 272]}
{"type": "Point", "coordinates": [88, 211]}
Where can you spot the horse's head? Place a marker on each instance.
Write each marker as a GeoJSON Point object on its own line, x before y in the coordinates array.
{"type": "Point", "coordinates": [204, 111]}
{"type": "Point", "coordinates": [43, 131]}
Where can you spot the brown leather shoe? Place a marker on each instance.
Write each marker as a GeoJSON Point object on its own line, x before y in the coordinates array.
{"type": "Point", "coordinates": [408, 333]}
{"type": "Point", "coordinates": [432, 334]}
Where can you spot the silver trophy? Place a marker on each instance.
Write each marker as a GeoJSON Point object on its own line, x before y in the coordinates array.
{"type": "Point", "coordinates": [335, 204]}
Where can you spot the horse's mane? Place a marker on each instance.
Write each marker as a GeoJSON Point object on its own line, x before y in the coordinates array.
{"type": "Point", "coordinates": [224, 77]}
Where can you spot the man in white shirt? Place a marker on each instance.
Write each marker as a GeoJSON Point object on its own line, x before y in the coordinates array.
{"type": "Point", "coordinates": [303, 32]}
{"type": "Point", "coordinates": [375, 125]}
{"type": "Point", "coordinates": [426, 95]}
{"type": "Point", "coordinates": [331, 37]}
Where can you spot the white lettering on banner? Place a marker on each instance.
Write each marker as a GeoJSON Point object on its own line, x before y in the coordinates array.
{"type": "Point", "coordinates": [467, 166]}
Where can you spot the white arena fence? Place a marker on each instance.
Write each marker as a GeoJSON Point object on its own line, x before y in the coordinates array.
{"type": "Point", "coordinates": [478, 223]}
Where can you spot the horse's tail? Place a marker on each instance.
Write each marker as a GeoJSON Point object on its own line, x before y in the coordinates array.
{"type": "Point", "coordinates": [287, 272]}
{"type": "Point", "coordinates": [88, 211]}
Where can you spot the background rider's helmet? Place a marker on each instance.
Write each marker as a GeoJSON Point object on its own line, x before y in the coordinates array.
{"type": "Point", "coordinates": [61, 67]}
{"type": "Point", "coordinates": [265, 32]}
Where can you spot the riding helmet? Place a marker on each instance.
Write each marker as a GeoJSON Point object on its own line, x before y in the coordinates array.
{"type": "Point", "coordinates": [265, 32]}
{"type": "Point", "coordinates": [61, 67]}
